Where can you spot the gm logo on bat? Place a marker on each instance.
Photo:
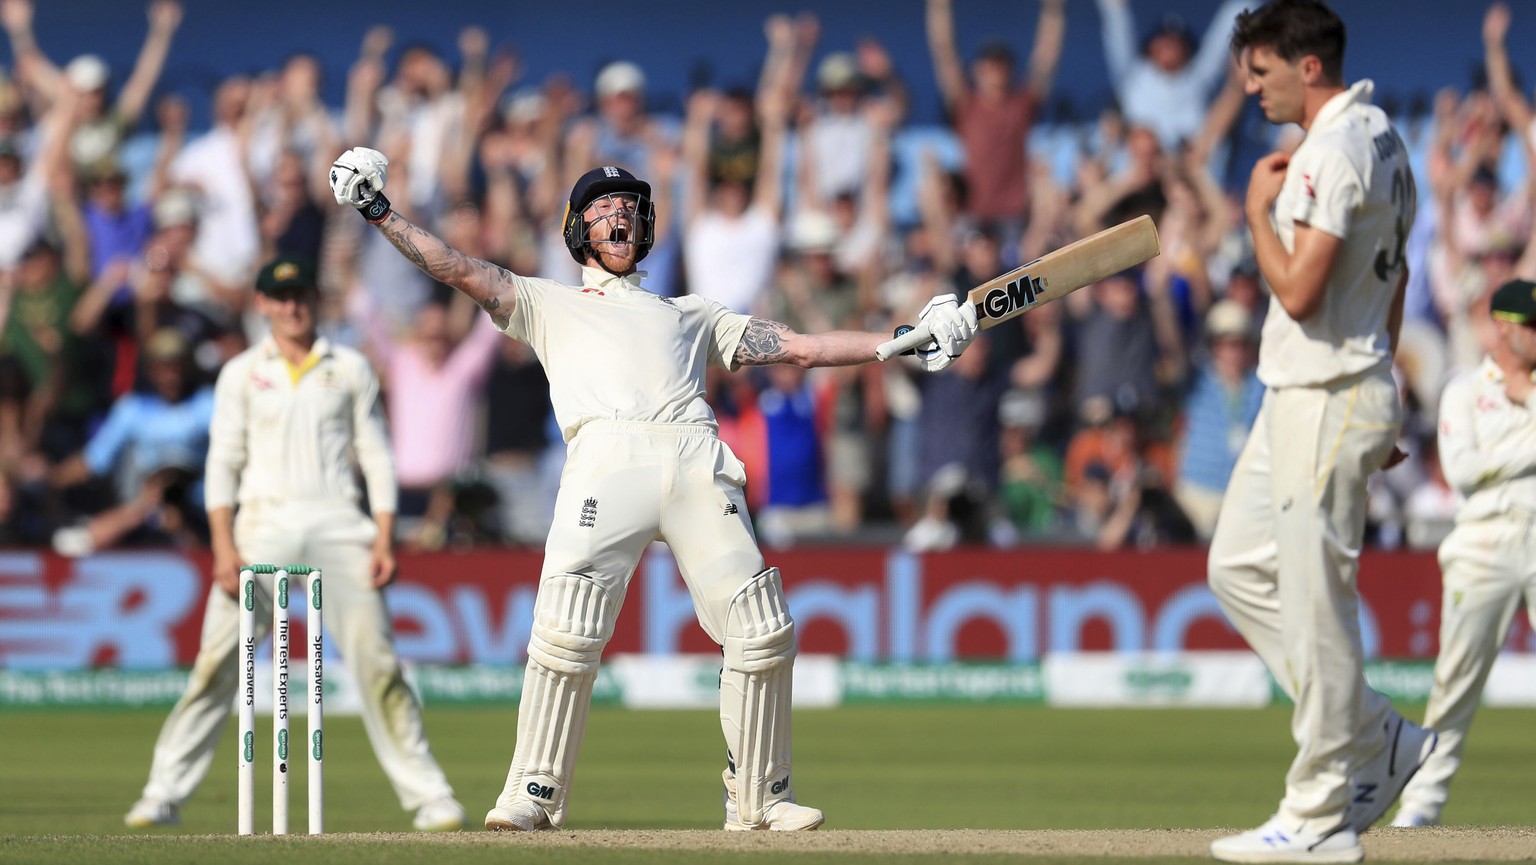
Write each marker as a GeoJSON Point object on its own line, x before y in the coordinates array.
{"type": "Point", "coordinates": [1016, 295]}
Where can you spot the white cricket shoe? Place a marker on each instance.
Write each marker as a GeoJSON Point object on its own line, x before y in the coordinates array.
{"type": "Point", "coordinates": [1413, 819]}
{"type": "Point", "coordinates": [146, 813]}
{"type": "Point", "coordinates": [1381, 780]}
{"type": "Point", "coordinates": [522, 815]}
{"type": "Point", "coordinates": [440, 815]}
{"type": "Point", "coordinates": [1274, 842]}
{"type": "Point", "coordinates": [782, 816]}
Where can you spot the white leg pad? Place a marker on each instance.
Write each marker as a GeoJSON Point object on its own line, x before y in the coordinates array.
{"type": "Point", "coordinates": [573, 618]}
{"type": "Point", "coordinates": [755, 693]}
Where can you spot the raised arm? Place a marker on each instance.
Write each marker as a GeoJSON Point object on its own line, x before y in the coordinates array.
{"type": "Point", "coordinates": [946, 60]}
{"type": "Point", "coordinates": [34, 70]}
{"type": "Point", "coordinates": [773, 116]}
{"type": "Point", "coordinates": [360, 112]}
{"type": "Point", "coordinates": [1119, 41]}
{"type": "Point", "coordinates": [358, 177]}
{"type": "Point", "coordinates": [164, 18]}
{"type": "Point", "coordinates": [698, 121]}
{"type": "Point", "coordinates": [1050, 32]}
{"type": "Point", "coordinates": [488, 285]}
{"type": "Point", "coordinates": [1210, 62]}
{"type": "Point", "coordinates": [1501, 78]}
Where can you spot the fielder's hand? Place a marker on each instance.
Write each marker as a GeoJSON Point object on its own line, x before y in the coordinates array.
{"type": "Point", "coordinates": [357, 179]}
{"type": "Point", "coordinates": [953, 325]}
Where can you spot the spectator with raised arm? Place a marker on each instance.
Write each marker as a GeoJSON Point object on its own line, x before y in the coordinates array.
{"type": "Point", "coordinates": [1167, 84]}
{"type": "Point", "coordinates": [103, 123]}
{"type": "Point", "coordinates": [224, 253]}
{"type": "Point", "coordinates": [293, 120]}
{"type": "Point", "coordinates": [993, 114]}
{"type": "Point", "coordinates": [432, 382]}
{"type": "Point", "coordinates": [731, 224]}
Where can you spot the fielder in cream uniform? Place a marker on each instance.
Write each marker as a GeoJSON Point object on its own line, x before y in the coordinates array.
{"type": "Point", "coordinates": [626, 372]}
{"type": "Point", "coordinates": [288, 415]}
{"type": "Point", "coordinates": [1488, 454]}
{"type": "Point", "coordinates": [1328, 224]}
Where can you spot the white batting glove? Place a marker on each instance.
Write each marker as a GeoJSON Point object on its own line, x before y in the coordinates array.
{"type": "Point", "coordinates": [358, 177]}
{"type": "Point", "coordinates": [953, 325]}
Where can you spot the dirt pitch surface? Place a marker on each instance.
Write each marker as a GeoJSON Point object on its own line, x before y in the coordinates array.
{"type": "Point", "coordinates": [1439, 844]}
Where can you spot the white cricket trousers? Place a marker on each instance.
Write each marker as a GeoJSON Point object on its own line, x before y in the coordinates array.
{"type": "Point", "coordinates": [1283, 563]}
{"type": "Point", "coordinates": [628, 484]}
{"type": "Point", "coordinates": [625, 485]}
{"type": "Point", "coordinates": [1488, 567]}
{"type": "Point", "coordinates": [335, 537]}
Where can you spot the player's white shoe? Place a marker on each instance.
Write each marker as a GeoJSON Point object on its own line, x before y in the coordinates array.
{"type": "Point", "coordinates": [1274, 842]}
{"type": "Point", "coordinates": [521, 816]}
{"type": "Point", "coordinates": [146, 813]}
{"type": "Point", "coordinates": [440, 815]}
{"type": "Point", "coordinates": [784, 816]}
{"type": "Point", "coordinates": [1414, 819]}
{"type": "Point", "coordinates": [1381, 780]}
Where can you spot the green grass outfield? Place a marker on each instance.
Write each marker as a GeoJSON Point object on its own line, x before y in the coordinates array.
{"type": "Point", "coordinates": [66, 778]}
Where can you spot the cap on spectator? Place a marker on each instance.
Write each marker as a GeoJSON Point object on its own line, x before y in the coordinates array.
{"type": "Point", "coordinates": [167, 343]}
{"type": "Point", "coordinates": [1021, 408]}
{"type": "Point", "coordinates": [1515, 301]}
{"type": "Point", "coordinates": [1228, 318]}
{"type": "Point", "coordinates": [284, 272]}
{"type": "Point", "coordinates": [812, 231]}
{"type": "Point", "coordinates": [996, 49]}
{"type": "Point", "coordinates": [105, 168]}
{"type": "Point", "coordinates": [1171, 24]}
{"type": "Point", "coordinates": [525, 106]}
{"type": "Point", "coordinates": [175, 208]}
{"type": "Point", "coordinates": [10, 97]}
{"type": "Point", "coordinates": [620, 77]}
{"type": "Point", "coordinates": [43, 243]}
{"type": "Point", "coordinates": [1097, 472]}
{"type": "Point", "coordinates": [838, 71]}
{"type": "Point", "coordinates": [87, 72]}
{"type": "Point", "coordinates": [1096, 410]}
{"type": "Point", "coordinates": [1247, 265]}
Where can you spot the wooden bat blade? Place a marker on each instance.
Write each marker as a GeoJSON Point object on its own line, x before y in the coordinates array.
{"type": "Point", "coordinates": [1058, 274]}
{"type": "Point", "coordinates": [1049, 277]}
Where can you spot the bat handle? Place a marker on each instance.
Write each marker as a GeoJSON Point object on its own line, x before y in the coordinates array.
{"type": "Point", "coordinates": [904, 342]}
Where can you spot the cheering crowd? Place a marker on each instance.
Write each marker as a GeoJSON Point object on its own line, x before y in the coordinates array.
{"type": "Point", "coordinates": [128, 253]}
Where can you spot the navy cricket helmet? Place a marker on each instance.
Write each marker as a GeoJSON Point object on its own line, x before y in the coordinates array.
{"type": "Point", "coordinates": [598, 183]}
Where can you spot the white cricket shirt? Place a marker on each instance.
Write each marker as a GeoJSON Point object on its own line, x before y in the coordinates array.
{"type": "Point", "coordinates": [278, 439]}
{"type": "Point", "coordinates": [614, 351]}
{"type": "Point", "coordinates": [1350, 177]}
{"type": "Point", "coordinates": [1487, 445]}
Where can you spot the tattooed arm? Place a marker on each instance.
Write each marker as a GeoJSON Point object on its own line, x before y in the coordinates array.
{"type": "Point", "coordinates": [486, 284]}
{"type": "Point", "coordinates": [768, 342]}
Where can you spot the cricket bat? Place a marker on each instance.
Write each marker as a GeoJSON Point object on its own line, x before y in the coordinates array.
{"type": "Point", "coordinates": [1045, 279]}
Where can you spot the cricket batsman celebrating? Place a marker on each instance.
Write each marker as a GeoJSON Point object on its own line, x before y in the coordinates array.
{"type": "Point", "coordinates": [1328, 223]}
{"type": "Point", "coordinates": [626, 372]}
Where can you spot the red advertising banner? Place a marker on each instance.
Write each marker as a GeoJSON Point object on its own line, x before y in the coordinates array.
{"type": "Point", "coordinates": [144, 609]}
